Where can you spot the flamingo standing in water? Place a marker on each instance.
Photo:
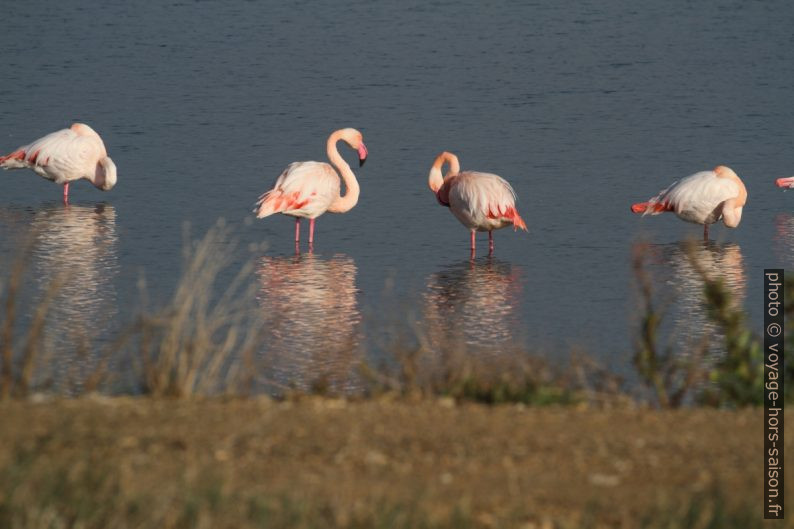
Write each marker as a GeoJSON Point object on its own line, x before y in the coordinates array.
{"type": "Point", "coordinates": [480, 201]}
{"type": "Point", "coordinates": [702, 198]}
{"type": "Point", "coordinates": [309, 189]}
{"type": "Point", "coordinates": [65, 156]}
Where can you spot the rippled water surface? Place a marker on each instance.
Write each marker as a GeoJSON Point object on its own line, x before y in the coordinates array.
{"type": "Point", "coordinates": [584, 108]}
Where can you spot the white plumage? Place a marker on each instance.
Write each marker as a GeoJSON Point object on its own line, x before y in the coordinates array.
{"type": "Point", "coordinates": [697, 198]}
{"type": "Point", "coordinates": [304, 189]}
{"type": "Point", "coordinates": [482, 201]}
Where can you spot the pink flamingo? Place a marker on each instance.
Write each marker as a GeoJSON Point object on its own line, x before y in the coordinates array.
{"type": "Point", "coordinates": [702, 198]}
{"type": "Point", "coordinates": [480, 201]}
{"type": "Point", "coordinates": [65, 156]}
{"type": "Point", "coordinates": [785, 183]}
{"type": "Point", "coordinates": [309, 189]}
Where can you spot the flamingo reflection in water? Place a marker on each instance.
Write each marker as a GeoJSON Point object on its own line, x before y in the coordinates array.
{"type": "Point", "coordinates": [473, 306]}
{"type": "Point", "coordinates": [76, 245]}
{"type": "Point", "coordinates": [675, 275]}
{"type": "Point", "coordinates": [312, 321]}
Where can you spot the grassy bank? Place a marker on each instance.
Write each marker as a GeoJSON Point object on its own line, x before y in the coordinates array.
{"type": "Point", "coordinates": [99, 462]}
{"type": "Point", "coordinates": [434, 437]}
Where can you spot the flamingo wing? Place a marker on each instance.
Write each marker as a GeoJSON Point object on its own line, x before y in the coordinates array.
{"type": "Point", "coordinates": [304, 189]}
{"type": "Point", "coordinates": [696, 197]}
{"type": "Point", "coordinates": [61, 156]}
{"type": "Point", "coordinates": [486, 198]}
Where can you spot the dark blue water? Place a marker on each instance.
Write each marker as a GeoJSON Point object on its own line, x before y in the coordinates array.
{"type": "Point", "coordinates": [584, 108]}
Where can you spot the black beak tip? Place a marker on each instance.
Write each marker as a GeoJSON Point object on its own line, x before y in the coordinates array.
{"type": "Point", "coordinates": [361, 162]}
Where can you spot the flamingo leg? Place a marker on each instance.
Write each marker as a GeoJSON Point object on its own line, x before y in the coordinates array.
{"type": "Point", "coordinates": [297, 229]}
{"type": "Point", "coordinates": [490, 243]}
{"type": "Point", "coordinates": [705, 232]}
{"type": "Point", "coordinates": [66, 193]}
{"type": "Point", "coordinates": [311, 232]}
{"type": "Point", "coordinates": [473, 244]}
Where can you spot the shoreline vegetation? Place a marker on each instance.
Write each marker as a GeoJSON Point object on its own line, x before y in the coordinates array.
{"type": "Point", "coordinates": [205, 339]}
{"type": "Point", "coordinates": [437, 437]}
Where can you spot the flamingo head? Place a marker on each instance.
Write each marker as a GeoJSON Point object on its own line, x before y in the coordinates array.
{"type": "Point", "coordinates": [105, 175]}
{"type": "Point", "coordinates": [435, 180]}
{"type": "Point", "coordinates": [356, 140]}
{"type": "Point", "coordinates": [785, 183]}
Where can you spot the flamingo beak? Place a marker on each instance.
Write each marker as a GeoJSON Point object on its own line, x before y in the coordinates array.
{"type": "Point", "coordinates": [362, 154]}
{"type": "Point", "coordinates": [785, 182]}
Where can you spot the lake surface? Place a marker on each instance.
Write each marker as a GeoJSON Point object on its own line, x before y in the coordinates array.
{"type": "Point", "coordinates": [584, 107]}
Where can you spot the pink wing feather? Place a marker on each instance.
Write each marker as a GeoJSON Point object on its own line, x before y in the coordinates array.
{"type": "Point", "coordinates": [484, 196]}
{"type": "Point", "coordinates": [304, 189]}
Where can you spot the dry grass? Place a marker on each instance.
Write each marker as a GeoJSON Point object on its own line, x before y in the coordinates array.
{"type": "Point", "coordinates": [315, 462]}
{"type": "Point", "coordinates": [206, 340]}
{"type": "Point", "coordinates": [20, 354]}
{"type": "Point", "coordinates": [201, 342]}
{"type": "Point", "coordinates": [511, 377]}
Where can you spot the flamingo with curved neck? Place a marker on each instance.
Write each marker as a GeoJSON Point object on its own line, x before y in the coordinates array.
{"type": "Point", "coordinates": [702, 198]}
{"type": "Point", "coordinates": [64, 156]}
{"type": "Point", "coordinates": [309, 189]}
{"type": "Point", "coordinates": [480, 201]}
{"type": "Point", "coordinates": [435, 180]}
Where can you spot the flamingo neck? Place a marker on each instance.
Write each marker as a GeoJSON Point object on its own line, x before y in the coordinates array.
{"type": "Point", "coordinates": [731, 213]}
{"type": "Point", "coordinates": [732, 208]}
{"type": "Point", "coordinates": [435, 180]}
{"type": "Point", "coordinates": [352, 189]}
{"type": "Point", "coordinates": [742, 199]}
{"type": "Point", "coordinates": [104, 175]}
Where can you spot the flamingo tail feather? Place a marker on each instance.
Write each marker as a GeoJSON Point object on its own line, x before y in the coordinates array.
{"type": "Point", "coordinates": [518, 222]}
{"type": "Point", "coordinates": [276, 201]}
{"type": "Point", "coordinates": [13, 160]}
{"type": "Point", "coordinates": [267, 204]}
{"type": "Point", "coordinates": [650, 208]}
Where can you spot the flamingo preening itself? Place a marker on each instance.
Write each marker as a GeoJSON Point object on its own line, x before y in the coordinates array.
{"type": "Point", "coordinates": [65, 156]}
{"type": "Point", "coordinates": [702, 198]}
{"type": "Point", "coordinates": [480, 201]}
{"type": "Point", "coordinates": [309, 189]}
